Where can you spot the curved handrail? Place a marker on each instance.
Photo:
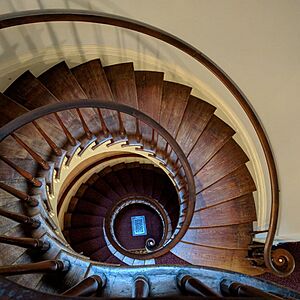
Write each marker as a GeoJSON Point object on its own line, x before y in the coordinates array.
{"type": "Point", "coordinates": [37, 16]}
{"type": "Point", "coordinates": [37, 113]}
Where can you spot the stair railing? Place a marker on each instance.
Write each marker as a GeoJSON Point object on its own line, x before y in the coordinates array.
{"type": "Point", "coordinates": [37, 16]}
{"type": "Point", "coordinates": [178, 166]}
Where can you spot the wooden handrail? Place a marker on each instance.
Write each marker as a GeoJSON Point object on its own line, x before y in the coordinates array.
{"type": "Point", "coordinates": [25, 242]}
{"type": "Point", "coordinates": [87, 287]}
{"type": "Point", "coordinates": [19, 194]}
{"type": "Point", "coordinates": [233, 289]}
{"type": "Point", "coordinates": [46, 266]}
{"type": "Point", "coordinates": [37, 16]}
{"type": "Point", "coordinates": [192, 286]}
{"type": "Point", "coordinates": [92, 103]}
{"type": "Point", "coordinates": [20, 218]}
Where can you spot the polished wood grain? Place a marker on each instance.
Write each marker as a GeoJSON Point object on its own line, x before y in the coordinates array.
{"type": "Point", "coordinates": [228, 259]}
{"type": "Point", "coordinates": [233, 185]}
{"type": "Point", "coordinates": [229, 158]}
{"type": "Point", "coordinates": [214, 136]}
{"type": "Point", "coordinates": [9, 109]}
{"type": "Point", "coordinates": [236, 211]}
{"type": "Point", "coordinates": [231, 236]}
{"type": "Point", "coordinates": [195, 118]}
{"type": "Point", "coordinates": [174, 101]}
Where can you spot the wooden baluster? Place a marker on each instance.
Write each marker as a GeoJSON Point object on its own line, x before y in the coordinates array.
{"type": "Point", "coordinates": [33, 154]}
{"type": "Point", "coordinates": [28, 243]}
{"type": "Point", "coordinates": [153, 142]}
{"type": "Point", "coordinates": [141, 288]}
{"type": "Point", "coordinates": [87, 287]}
{"type": "Point", "coordinates": [84, 125]}
{"type": "Point", "coordinates": [103, 125]}
{"type": "Point", "coordinates": [121, 125]}
{"type": "Point", "coordinates": [53, 146]}
{"type": "Point", "coordinates": [65, 130]}
{"type": "Point", "coordinates": [46, 266]}
{"type": "Point", "coordinates": [192, 286]}
{"type": "Point", "coordinates": [19, 194]}
{"type": "Point", "coordinates": [20, 218]}
{"type": "Point", "coordinates": [234, 289]}
{"type": "Point", "coordinates": [22, 172]}
{"type": "Point", "coordinates": [166, 155]}
{"type": "Point", "coordinates": [138, 132]}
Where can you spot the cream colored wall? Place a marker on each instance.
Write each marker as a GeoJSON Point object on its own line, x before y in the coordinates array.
{"type": "Point", "coordinates": [256, 42]}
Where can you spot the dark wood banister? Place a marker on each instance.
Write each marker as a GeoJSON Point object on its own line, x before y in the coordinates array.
{"type": "Point", "coordinates": [37, 16]}
{"type": "Point", "coordinates": [92, 103]}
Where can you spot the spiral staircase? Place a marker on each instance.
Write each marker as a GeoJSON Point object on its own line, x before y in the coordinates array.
{"type": "Point", "coordinates": [93, 146]}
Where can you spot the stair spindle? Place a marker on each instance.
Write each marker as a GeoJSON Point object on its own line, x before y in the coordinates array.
{"type": "Point", "coordinates": [65, 130]}
{"type": "Point", "coordinates": [87, 287]}
{"type": "Point", "coordinates": [47, 266]}
{"type": "Point", "coordinates": [33, 154]}
{"type": "Point", "coordinates": [153, 142]}
{"type": "Point", "coordinates": [192, 286]}
{"type": "Point", "coordinates": [52, 145]}
{"type": "Point", "coordinates": [138, 132]}
{"type": "Point", "coordinates": [28, 243]}
{"type": "Point", "coordinates": [19, 194]}
{"type": "Point", "coordinates": [22, 172]}
{"type": "Point", "coordinates": [121, 125]}
{"type": "Point", "coordinates": [33, 223]}
{"type": "Point", "coordinates": [84, 125]}
{"type": "Point", "coordinates": [236, 289]}
{"type": "Point", "coordinates": [103, 125]}
{"type": "Point", "coordinates": [141, 288]}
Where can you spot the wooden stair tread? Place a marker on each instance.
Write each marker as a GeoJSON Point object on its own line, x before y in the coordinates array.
{"type": "Point", "coordinates": [30, 92]}
{"type": "Point", "coordinates": [90, 246]}
{"type": "Point", "coordinates": [10, 110]}
{"type": "Point", "coordinates": [227, 259]}
{"type": "Point", "coordinates": [233, 185]}
{"type": "Point", "coordinates": [105, 189]}
{"type": "Point", "coordinates": [149, 86]}
{"type": "Point", "coordinates": [93, 81]}
{"type": "Point", "coordinates": [231, 237]}
{"type": "Point", "coordinates": [226, 160]}
{"type": "Point", "coordinates": [122, 83]}
{"type": "Point", "coordinates": [174, 101]}
{"type": "Point", "coordinates": [195, 118]}
{"type": "Point", "coordinates": [101, 255]}
{"type": "Point", "coordinates": [236, 211]}
{"type": "Point", "coordinates": [77, 235]}
{"type": "Point", "coordinates": [62, 83]}
{"type": "Point", "coordinates": [84, 220]}
{"type": "Point", "coordinates": [214, 136]}
{"type": "Point", "coordinates": [86, 207]}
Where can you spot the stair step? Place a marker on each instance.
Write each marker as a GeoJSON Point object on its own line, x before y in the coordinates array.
{"type": "Point", "coordinates": [212, 139]}
{"type": "Point", "coordinates": [236, 211]}
{"type": "Point", "coordinates": [92, 79]}
{"type": "Point", "coordinates": [225, 161]}
{"type": "Point", "coordinates": [149, 87]}
{"type": "Point", "coordinates": [125, 178]}
{"type": "Point", "coordinates": [62, 83]}
{"type": "Point", "coordinates": [93, 196]}
{"type": "Point", "coordinates": [195, 119]}
{"type": "Point", "coordinates": [101, 255]}
{"type": "Point", "coordinates": [101, 186]}
{"type": "Point", "coordinates": [90, 246]}
{"type": "Point", "coordinates": [228, 259]}
{"type": "Point", "coordinates": [122, 83]}
{"type": "Point", "coordinates": [113, 181]}
{"type": "Point", "coordinates": [232, 236]}
{"type": "Point", "coordinates": [82, 220]}
{"type": "Point", "coordinates": [233, 185]}
{"type": "Point", "coordinates": [86, 207]}
{"type": "Point", "coordinates": [10, 110]}
{"type": "Point", "coordinates": [174, 101]}
{"type": "Point", "coordinates": [77, 235]}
